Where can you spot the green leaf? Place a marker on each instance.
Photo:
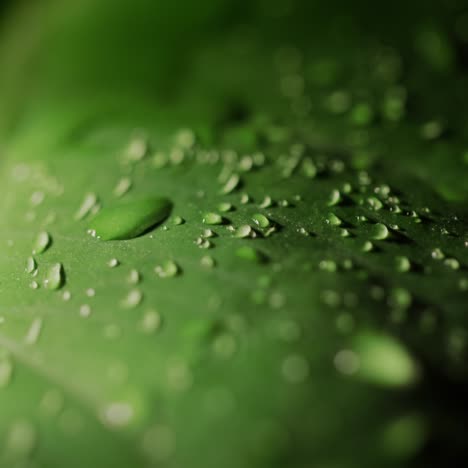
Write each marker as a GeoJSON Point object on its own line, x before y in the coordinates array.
{"type": "Point", "coordinates": [165, 347]}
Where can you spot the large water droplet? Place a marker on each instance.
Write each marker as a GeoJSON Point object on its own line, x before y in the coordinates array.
{"type": "Point", "coordinates": [55, 277]}
{"type": "Point", "coordinates": [131, 219]}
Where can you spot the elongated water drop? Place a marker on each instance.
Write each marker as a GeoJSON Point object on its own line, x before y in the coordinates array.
{"type": "Point", "coordinates": [55, 277]}
{"type": "Point", "coordinates": [42, 243]}
{"type": "Point", "coordinates": [231, 184]}
{"type": "Point", "coordinates": [261, 220]}
{"type": "Point", "coordinates": [6, 371]}
{"type": "Point", "coordinates": [89, 202]}
{"type": "Point", "coordinates": [30, 265]}
{"type": "Point", "coordinates": [335, 198]}
{"type": "Point", "coordinates": [130, 219]}
{"type": "Point", "coordinates": [213, 218]}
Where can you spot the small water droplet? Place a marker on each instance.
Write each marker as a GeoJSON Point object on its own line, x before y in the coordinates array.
{"type": "Point", "coordinates": [452, 263]}
{"type": "Point", "coordinates": [251, 254]}
{"type": "Point", "coordinates": [207, 262]}
{"type": "Point", "coordinates": [267, 202]}
{"type": "Point", "coordinates": [34, 331]}
{"type": "Point", "coordinates": [213, 218]}
{"type": "Point", "coordinates": [261, 220]}
{"type": "Point", "coordinates": [177, 221]}
{"type": "Point", "coordinates": [437, 254]}
{"type": "Point", "coordinates": [85, 310]}
{"type": "Point", "coordinates": [225, 207]}
{"type": "Point", "coordinates": [134, 277]}
{"type": "Point", "coordinates": [113, 262]}
{"type": "Point", "coordinates": [328, 266]}
{"type": "Point", "coordinates": [117, 414]}
{"type": "Point", "coordinates": [132, 299]}
{"type": "Point", "coordinates": [333, 220]}
{"type": "Point", "coordinates": [151, 321]}
{"type": "Point", "coordinates": [402, 264]}
{"type": "Point", "coordinates": [31, 265]}
{"type": "Point", "coordinates": [42, 242]}
{"type": "Point", "coordinates": [335, 198]}
{"type": "Point", "coordinates": [167, 269]}
{"type": "Point", "coordinates": [122, 187]}
{"type": "Point", "coordinates": [89, 202]}
{"type": "Point", "coordinates": [231, 184]}
{"type": "Point", "coordinates": [6, 371]}
{"type": "Point", "coordinates": [243, 231]}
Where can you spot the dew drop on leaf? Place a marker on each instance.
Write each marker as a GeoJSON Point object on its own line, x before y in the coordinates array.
{"type": "Point", "coordinates": [55, 277]}
{"type": "Point", "coordinates": [42, 242]}
{"type": "Point", "coordinates": [379, 231]}
{"type": "Point", "coordinates": [212, 218]}
{"type": "Point", "coordinates": [261, 220]}
{"type": "Point", "coordinates": [128, 220]}
{"type": "Point", "coordinates": [251, 254]}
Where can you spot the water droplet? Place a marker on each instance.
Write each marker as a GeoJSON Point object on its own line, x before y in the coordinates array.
{"type": "Point", "coordinates": [402, 264]}
{"type": "Point", "coordinates": [328, 266]}
{"type": "Point", "coordinates": [6, 371]}
{"type": "Point", "coordinates": [90, 292]}
{"type": "Point", "coordinates": [137, 148]}
{"type": "Point", "coordinates": [34, 331]}
{"type": "Point", "coordinates": [177, 221]}
{"type": "Point", "coordinates": [85, 310]}
{"type": "Point", "coordinates": [400, 298]}
{"type": "Point", "coordinates": [128, 220]}
{"type": "Point", "coordinates": [335, 198]}
{"type": "Point", "coordinates": [452, 263]}
{"type": "Point", "coordinates": [231, 184]}
{"type": "Point", "coordinates": [117, 414]}
{"type": "Point", "coordinates": [89, 202]}
{"type": "Point", "coordinates": [66, 296]}
{"type": "Point", "coordinates": [132, 299]}
{"type": "Point", "coordinates": [333, 220]}
{"type": "Point", "coordinates": [384, 360]}
{"type": "Point", "coordinates": [151, 321]}
{"type": "Point", "coordinates": [379, 231]}
{"type": "Point", "coordinates": [31, 265]}
{"type": "Point", "coordinates": [437, 254]}
{"type": "Point", "coordinates": [134, 277]}
{"type": "Point", "coordinates": [374, 203]}
{"type": "Point", "coordinates": [213, 219]}
{"type": "Point", "coordinates": [113, 262]}
{"type": "Point", "coordinates": [267, 202]}
{"type": "Point", "coordinates": [243, 231]}
{"type": "Point", "coordinates": [21, 438]}
{"type": "Point", "coordinates": [34, 285]}
{"type": "Point", "coordinates": [168, 269]}
{"type": "Point", "coordinates": [251, 254]}
{"type": "Point", "coordinates": [207, 262]}
{"type": "Point", "coordinates": [55, 277]}
{"type": "Point", "coordinates": [225, 207]}
{"type": "Point", "coordinates": [42, 242]}
{"type": "Point", "coordinates": [122, 187]}
{"type": "Point", "coordinates": [261, 220]}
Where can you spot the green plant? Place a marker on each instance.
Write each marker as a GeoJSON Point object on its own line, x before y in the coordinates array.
{"type": "Point", "coordinates": [299, 302]}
